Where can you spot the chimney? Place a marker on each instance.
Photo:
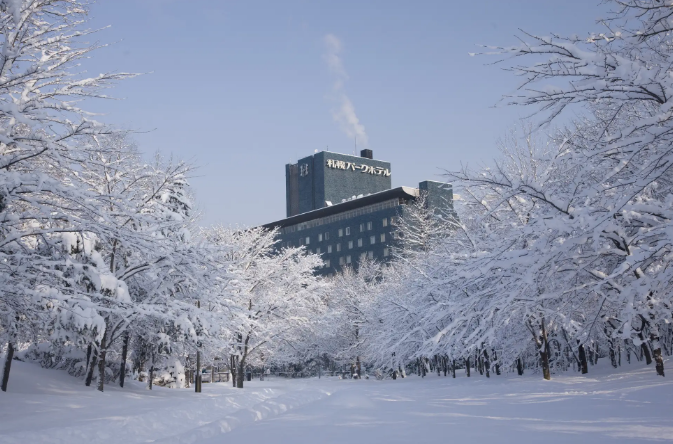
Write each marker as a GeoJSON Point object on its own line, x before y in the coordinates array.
{"type": "Point", "coordinates": [367, 154]}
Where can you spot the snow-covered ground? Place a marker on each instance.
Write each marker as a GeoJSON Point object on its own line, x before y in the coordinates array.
{"type": "Point", "coordinates": [630, 405]}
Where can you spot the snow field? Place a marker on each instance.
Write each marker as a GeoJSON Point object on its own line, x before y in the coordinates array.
{"type": "Point", "coordinates": [631, 405]}
{"type": "Point", "coordinates": [49, 406]}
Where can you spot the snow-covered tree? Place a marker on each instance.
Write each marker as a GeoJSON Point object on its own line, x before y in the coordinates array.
{"type": "Point", "coordinates": [40, 120]}
{"type": "Point", "coordinates": [271, 295]}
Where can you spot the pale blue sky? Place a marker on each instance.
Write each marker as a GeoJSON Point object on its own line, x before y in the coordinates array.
{"type": "Point", "coordinates": [242, 88]}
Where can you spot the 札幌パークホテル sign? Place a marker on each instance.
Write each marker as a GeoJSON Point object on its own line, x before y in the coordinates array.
{"type": "Point", "coordinates": [343, 165]}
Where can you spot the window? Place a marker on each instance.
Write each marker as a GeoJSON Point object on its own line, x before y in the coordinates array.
{"type": "Point", "coordinates": [392, 221]}
{"type": "Point", "coordinates": [326, 263]}
{"type": "Point", "coordinates": [348, 259]}
{"type": "Point", "coordinates": [350, 245]}
{"type": "Point", "coordinates": [363, 256]}
{"type": "Point", "coordinates": [369, 225]}
{"type": "Point", "coordinates": [341, 260]}
{"type": "Point", "coordinates": [338, 247]}
{"type": "Point", "coordinates": [329, 248]}
{"type": "Point", "coordinates": [320, 237]}
{"type": "Point", "coordinates": [385, 221]}
{"type": "Point", "coordinates": [383, 237]}
{"type": "Point", "coordinates": [317, 250]}
{"type": "Point", "coordinates": [386, 252]}
{"type": "Point", "coordinates": [341, 232]}
{"type": "Point", "coordinates": [372, 240]}
{"type": "Point", "coordinates": [370, 254]}
{"type": "Point", "coordinates": [348, 231]}
{"type": "Point", "coordinates": [326, 235]}
{"type": "Point", "coordinates": [360, 242]}
{"type": "Point", "coordinates": [308, 240]}
{"type": "Point", "coordinates": [362, 228]}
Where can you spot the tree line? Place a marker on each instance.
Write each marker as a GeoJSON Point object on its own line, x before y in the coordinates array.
{"type": "Point", "coordinates": [104, 270]}
{"type": "Point", "coordinates": [557, 254]}
{"type": "Point", "coordinates": [561, 251]}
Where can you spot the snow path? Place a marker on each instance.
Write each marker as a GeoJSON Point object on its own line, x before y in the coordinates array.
{"type": "Point", "coordinates": [632, 405]}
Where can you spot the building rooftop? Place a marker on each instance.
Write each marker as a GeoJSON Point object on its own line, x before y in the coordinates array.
{"type": "Point", "coordinates": [406, 193]}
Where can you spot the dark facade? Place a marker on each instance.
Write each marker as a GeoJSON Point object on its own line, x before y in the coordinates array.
{"type": "Point", "coordinates": [328, 178]}
{"type": "Point", "coordinates": [343, 207]}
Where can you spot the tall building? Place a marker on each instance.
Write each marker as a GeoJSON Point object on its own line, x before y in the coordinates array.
{"type": "Point", "coordinates": [344, 208]}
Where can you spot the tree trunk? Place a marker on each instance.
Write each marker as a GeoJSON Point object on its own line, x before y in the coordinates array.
{"type": "Point", "coordinates": [544, 353]}
{"type": "Point", "coordinates": [94, 361]}
{"type": "Point", "coordinates": [141, 370]}
{"type": "Point", "coordinates": [544, 358]}
{"type": "Point", "coordinates": [358, 367]}
{"type": "Point", "coordinates": [497, 364]}
{"type": "Point", "coordinates": [467, 367]}
{"type": "Point", "coordinates": [619, 355]}
{"type": "Point", "coordinates": [613, 356]}
{"type": "Point", "coordinates": [240, 374]}
{"type": "Point", "coordinates": [125, 350]}
{"type": "Point", "coordinates": [101, 364]}
{"type": "Point", "coordinates": [646, 353]}
{"type": "Point", "coordinates": [487, 364]}
{"type": "Point", "coordinates": [658, 359]}
{"type": "Point", "coordinates": [453, 369]}
{"type": "Point", "coordinates": [151, 376]}
{"type": "Point", "coordinates": [519, 366]}
{"type": "Point", "coordinates": [232, 370]}
{"type": "Point", "coordinates": [583, 360]}
{"type": "Point", "coordinates": [628, 352]}
{"type": "Point", "coordinates": [596, 354]}
{"type": "Point", "coordinates": [8, 366]}
{"type": "Point", "coordinates": [88, 358]}
{"type": "Point", "coordinates": [197, 380]}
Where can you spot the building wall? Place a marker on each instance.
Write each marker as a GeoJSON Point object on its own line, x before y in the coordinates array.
{"type": "Point", "coordinates": [439, 196]}
{"type": "Point", "coordinates": [333, 177]}
{"type": "Point", "coordinates": [326, 235]}
{"type": "Point", "coordinates": [362, 176]}
{"type": "Point", "coordinates": [292, 189]}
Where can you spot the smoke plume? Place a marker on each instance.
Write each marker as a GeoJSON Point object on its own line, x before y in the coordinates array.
{"type": "Point", "coordinates": [344, 112]}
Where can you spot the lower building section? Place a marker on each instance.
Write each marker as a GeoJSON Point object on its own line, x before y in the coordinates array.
{"type": "Point", "coordinates": [365, 227]}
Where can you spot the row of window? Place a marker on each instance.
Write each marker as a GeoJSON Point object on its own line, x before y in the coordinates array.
{"type": "Point", "coordinates": [347, 230]}
{"type": "Point", "coordinates": [351, 244]}
{"type": "Point", "coordinates": [347, 260]}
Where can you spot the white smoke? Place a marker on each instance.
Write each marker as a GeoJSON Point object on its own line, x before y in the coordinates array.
{"type": "Point", "coordinates": [344, 113]}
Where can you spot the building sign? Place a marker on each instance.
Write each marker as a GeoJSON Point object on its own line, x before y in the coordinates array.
{"type": "Point", "coordinates": [343, 165]}
{"type": "Point", "coordinates": [303, 170]}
